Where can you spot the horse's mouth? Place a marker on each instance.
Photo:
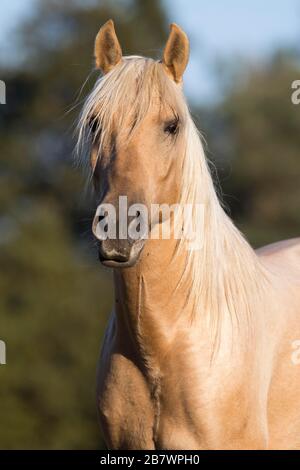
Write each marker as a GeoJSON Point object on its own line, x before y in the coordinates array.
{"type": "Point", "coordinates": [111, 263]}
{"type": "Point", "coordinates": [119, 261]}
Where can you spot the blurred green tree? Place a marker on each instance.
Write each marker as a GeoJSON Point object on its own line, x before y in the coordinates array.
{"type": "Point", "coordinates": [254, 136]}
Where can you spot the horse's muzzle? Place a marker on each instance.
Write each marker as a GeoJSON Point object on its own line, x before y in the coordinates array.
{"type": "Point", "coordinates": [120, 253]}
{"type": "Point", "coordinates": [120, 244]}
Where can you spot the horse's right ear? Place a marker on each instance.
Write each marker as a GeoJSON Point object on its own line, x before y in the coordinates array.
{"type": "Point", "coordinates": [108, 52]}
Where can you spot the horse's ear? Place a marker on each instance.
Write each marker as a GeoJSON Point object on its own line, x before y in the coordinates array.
{"type": "Point", "coordinates": [108, 52]}
{"type": "Point", "coordinates": [176, 53]}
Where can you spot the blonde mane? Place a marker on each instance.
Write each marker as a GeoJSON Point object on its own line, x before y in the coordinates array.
{"type": "Point", "coordinates": [225, 275]}
{"type": "Point", "coordinates": [127, 91]}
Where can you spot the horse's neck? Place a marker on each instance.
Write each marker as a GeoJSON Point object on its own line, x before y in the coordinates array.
{"type": "Point", "coordinates": [156, 309]}
{"type": "Point", "coordinates": [150, 289]}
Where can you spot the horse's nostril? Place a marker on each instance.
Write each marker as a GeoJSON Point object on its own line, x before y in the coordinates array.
{"type": "Point", "coordinates": [113, 254]}
{"type": "Point", "coordinates": [101, 217]}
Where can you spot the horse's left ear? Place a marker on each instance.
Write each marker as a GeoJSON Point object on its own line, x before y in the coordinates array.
{"type": "Point", "coordinates": [176, 53]}
{"type": "Point", "coordinates": [108, 52]}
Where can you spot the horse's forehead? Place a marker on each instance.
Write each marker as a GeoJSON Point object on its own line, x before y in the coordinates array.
{"type": "Point", "coordinates": [132, 110]}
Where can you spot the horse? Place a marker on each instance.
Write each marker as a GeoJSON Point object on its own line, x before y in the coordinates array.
{"type": "Point", "coordinates": [198, 351]}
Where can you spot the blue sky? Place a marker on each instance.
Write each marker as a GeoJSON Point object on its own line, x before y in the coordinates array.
{"type": "Point", "coordinates": [217, 29]}
{"type": "Point", "coordinates": [232, 28]}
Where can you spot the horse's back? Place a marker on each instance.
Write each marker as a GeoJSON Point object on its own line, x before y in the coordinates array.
{"type": "Point", "coordinates": [291, 245]}
{"type": "Point", "coordinates": [285, 255]}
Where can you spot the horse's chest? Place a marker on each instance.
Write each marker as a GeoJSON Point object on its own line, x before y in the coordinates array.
{"type": "Point", "coordinates": [133, 416]}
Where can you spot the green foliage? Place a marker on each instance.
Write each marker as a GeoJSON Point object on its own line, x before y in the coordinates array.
{"type": "Point", "coordinates": [53, 310]}
{"type": "Point", "coordinates": [257, 140]}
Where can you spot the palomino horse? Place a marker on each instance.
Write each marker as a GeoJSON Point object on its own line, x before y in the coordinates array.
{"type": "Point", "coordinates": [198, 353]}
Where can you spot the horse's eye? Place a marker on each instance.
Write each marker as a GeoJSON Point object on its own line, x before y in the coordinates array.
{"type": "Point", "coordinates": [172, 127]}
{"type": "Point", "coordinates": [93, 124]}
